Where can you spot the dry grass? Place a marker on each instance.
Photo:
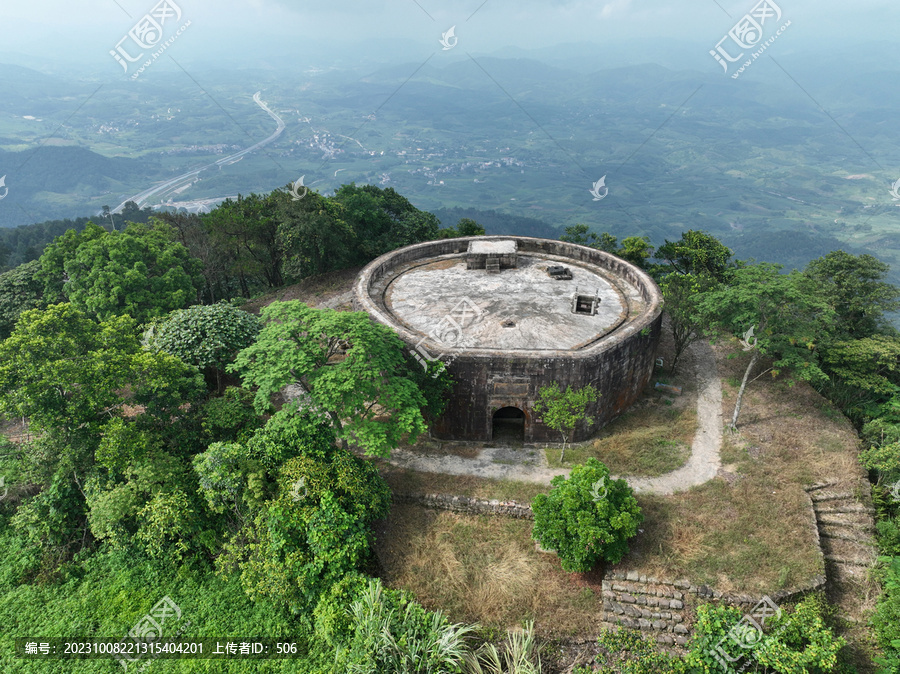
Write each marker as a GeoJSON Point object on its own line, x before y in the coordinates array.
{"type": "Point", "coordinates": [482, 569]}
{"type": "Point", "coordinates": [312, 291]}
{"type": "Point", "coordinates": [402, 480]}
{"type": "Point", "coordinates": [646, 442]}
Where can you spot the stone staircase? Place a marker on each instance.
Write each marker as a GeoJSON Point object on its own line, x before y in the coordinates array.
{"type": "Point", "coordinates": [846, 530]}
{"type": "Point", "coordinates": [492, 264]}
{"type": "Point", "coordinates": [645, 604]}
{"type": "Point", "coordinates": [844, 517]}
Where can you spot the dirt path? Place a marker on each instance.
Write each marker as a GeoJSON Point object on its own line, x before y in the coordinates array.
{"type": "Point", "coordinates": [506, 462]}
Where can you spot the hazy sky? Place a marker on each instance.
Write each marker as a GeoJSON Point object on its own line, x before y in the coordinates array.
{"type": "Point", "coordinates": [57, 33]}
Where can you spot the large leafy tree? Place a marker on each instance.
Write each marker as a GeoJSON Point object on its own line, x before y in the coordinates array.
{"type": "Point", "coordinates": [314, 528]}
{"type": "Point", "coordinates": [781, 316]}
{"type": "Point", "coordinates": [854, 287]}
{"type": "Point", "coordinates": [313, 236]}
{"type": "Point", "coordinates": [350, 369]}
{"type": "Point", "coordinates": [72, 378]}
{"type": "Point", "coordinates": [682, 294]}
{"type": "Point", "coordinates": [207, 336]}
{"type": "Point", "coordinates": [587, 517]}
{"type": "Point", "coordinates": [141, 271]}
{"type": "Point", "coordinates": [20, 290]}
{"type": "Point", "coordinates": [248, 229]}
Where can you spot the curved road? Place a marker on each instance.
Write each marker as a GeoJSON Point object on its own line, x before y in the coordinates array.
{"type": "Point", "coordinates": [141, 198]}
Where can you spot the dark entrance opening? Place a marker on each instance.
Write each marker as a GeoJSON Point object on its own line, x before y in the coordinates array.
{"type": "Point", "coordinates": [509, 425]}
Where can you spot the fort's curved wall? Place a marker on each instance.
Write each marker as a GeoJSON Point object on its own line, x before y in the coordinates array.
{"type": "Point", "coordinates": [619, 364]}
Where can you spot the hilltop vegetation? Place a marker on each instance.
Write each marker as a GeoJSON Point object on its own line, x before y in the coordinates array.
{"type": "Point", "coordinates": [176, 445]}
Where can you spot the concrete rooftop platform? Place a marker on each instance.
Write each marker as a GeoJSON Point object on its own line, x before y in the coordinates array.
{"type": "Point", "coordinates": [521, 309]}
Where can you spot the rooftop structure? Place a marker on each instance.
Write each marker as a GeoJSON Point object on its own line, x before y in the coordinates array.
{"type": "Point", "coordinates": [508, 315]}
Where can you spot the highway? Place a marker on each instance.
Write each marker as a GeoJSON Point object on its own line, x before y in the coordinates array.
{"type": "Point", "coordinates": [159, 190]}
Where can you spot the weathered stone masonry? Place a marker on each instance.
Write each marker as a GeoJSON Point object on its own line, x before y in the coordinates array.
{"type": "Point", "coordinates": [618, 363]}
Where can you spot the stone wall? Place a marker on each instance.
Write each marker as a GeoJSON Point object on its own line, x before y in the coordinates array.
{"type": "Point", "coordinates": [470, 506]}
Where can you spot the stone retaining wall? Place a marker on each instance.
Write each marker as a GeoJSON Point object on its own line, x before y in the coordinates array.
{"type": "Point", "coordinates": [471, 506]}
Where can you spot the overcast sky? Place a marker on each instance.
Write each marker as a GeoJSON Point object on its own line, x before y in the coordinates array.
{"type": "Point", "coordinates": [54, 33]}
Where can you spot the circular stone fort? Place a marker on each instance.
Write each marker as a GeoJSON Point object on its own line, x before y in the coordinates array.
{"type": "Point", "coordinates": [508, 315]}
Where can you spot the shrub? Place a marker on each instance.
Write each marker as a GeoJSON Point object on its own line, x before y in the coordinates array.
{"type": "Point", "coordinates": [587, 518]}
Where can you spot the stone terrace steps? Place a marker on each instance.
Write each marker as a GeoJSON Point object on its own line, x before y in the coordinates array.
{"type": "Point", "coordinates": [649, 607]}
{"type": "Point", "coordinates": [846, 529]}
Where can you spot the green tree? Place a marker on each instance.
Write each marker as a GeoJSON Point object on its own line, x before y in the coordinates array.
{"type": "Point", "coordinates": [682, 293]}
{"type": "Point", "coordinates": [141, 271]}
{"type": "Point", "coordinates": [71, 378]}
{"type": "Point", "coordinates": [313, 236]}
{"type": "Point", "coordinates": [696, 253]}
{"type": "Point", "coordinates": [382, 220]}
{"type": "Point", "coordinates": [779, 315]}
{"type": "Point", "coordinates": [468, 227]}
{"type": "Point", "coordinates": [206, 336]}
{"type": "Point", "coordinates": [636, 250]}
{"type": "Point", "coordinates": [854, 287]}
{"type": "Point", "coordinates": [20, 290]}
{"type": "Point", "coordinates": [587, 517]}
{"type": "Point", "coordinates": [350, 369]}
{"type": "Point", "coordinates": [564, 410]}
{"type": "Point", "coordinates": [248, 229]}
{"type": "Point", "coordinates": [313, 532]}
{"type": "Point", "coordinates": [583, 235]}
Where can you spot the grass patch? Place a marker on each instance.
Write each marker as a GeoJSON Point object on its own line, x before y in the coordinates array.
{"type": "Point", "coordinates": [647, 442]}
{"type": "Point", "coordinates": [484, 569]}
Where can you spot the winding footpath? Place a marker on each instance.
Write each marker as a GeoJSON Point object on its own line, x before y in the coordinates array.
{"type": "Point", "coordinates": [507, 463]}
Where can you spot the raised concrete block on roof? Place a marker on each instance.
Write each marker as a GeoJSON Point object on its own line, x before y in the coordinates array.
{"type": "Point", "coordinates": [492, 255]}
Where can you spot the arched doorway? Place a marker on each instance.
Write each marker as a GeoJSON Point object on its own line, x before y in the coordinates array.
{"type": "Point", "coordinates": [508, 425]}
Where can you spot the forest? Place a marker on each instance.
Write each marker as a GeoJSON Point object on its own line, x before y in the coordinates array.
{"type": "Point", "coordinates": [150, 450]}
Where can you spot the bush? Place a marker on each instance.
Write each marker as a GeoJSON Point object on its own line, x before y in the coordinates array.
{"type": "Point", "coordinates": [791, 642]}
{"type": "Point", "coordinates": [587, 518]}
{"type": "Point", "coordinates": [886, 619]}
{"type": "Point", "coordinates": [392, 634]}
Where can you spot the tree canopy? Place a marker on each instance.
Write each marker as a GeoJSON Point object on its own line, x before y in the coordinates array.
{"type": "Point", "coordinates": [140, 271]}
{"type": "Point", "coordinates": [350, 369]}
